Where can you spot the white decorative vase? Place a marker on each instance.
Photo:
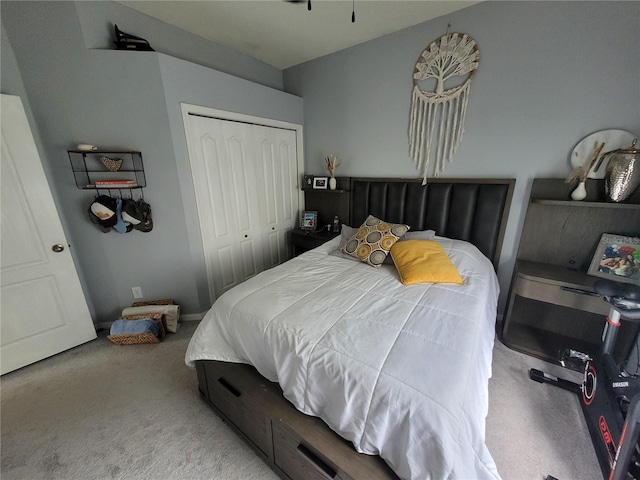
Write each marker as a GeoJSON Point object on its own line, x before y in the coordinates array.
{"type": "Point", "coordinates": [580, 192]}
{"type": "Point", "coordinates": [332, 183]}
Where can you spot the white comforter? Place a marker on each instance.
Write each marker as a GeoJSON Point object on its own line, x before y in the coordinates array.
{"type": "Point", "coordinates": [400, 371]}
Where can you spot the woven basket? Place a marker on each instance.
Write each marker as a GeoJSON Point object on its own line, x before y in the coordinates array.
{"type": "Point", "coordinates": [112, 164]}
{"type": "Point", "coordinates": [139, 338]}
{"type": "Point", "coordinates": [164, 301]}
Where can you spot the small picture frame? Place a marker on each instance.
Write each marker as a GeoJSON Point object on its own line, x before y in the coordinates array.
{"type": "Point", "coordinates": [617, 258]}
{"type": "Point", "coordinates": [320, 183]}
{"type": "Point", "coordinates": [307, 181]}
{"type": "Point", "coordinates": [309, 220]}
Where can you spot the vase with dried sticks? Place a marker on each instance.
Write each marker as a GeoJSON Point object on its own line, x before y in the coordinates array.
{"type": "Point", "coordinates": [581, 174]}
{"type": "Point", "coordinates": [332, 163]}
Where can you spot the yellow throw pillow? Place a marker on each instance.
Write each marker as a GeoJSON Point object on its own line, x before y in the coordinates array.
{"type": "Point", "coordinates": [423, 261]}
{"type": "Point", "coordinates": [373, 240]}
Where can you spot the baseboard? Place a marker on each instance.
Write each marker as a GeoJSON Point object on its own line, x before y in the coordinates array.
{"type": "Point", "coordinates": [191, 317]}
{"type": "Point", "coordinates": [103, 326]}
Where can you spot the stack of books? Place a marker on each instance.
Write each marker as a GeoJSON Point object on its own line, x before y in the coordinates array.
{"type": "Point", "coordinates": [115, 184]}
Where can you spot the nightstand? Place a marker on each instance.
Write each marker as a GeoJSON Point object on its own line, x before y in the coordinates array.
{"type": "Point", "coordinates": [553, 308]}
{"type": "Point", "coordinates": [303, 240]}
{"type": "Point", "coordinates": [552, 305]}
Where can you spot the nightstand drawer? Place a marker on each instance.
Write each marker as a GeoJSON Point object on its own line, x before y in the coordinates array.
{"type": "Point", "coordinates": [307, 242]}
{"type": "Point", "coordinates": [303, 241]}
{"type": "Point", "coordinates": [579, 298]}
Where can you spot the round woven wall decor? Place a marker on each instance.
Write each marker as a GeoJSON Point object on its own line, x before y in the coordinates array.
{"type": "Point", "coordinates": [437, 117]}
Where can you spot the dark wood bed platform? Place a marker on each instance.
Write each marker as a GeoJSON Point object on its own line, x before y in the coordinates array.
{"type": "Point", "coordinates": [301, 447]}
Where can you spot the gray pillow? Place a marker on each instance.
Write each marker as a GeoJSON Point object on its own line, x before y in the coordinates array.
{"type": "Point", "coordinates": [345, 234]}
{"type": "Point", "coordinates": [419, 235]}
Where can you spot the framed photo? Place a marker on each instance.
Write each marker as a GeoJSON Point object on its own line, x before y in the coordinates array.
{"type": "Point", "coordinates": [320, 183]}
{"type": "Point", "coordinates": [308, 181]}
{"type": "Point", "coordinates": [309, 220]}
{"type": "Point", "coordinates": [617, 258]}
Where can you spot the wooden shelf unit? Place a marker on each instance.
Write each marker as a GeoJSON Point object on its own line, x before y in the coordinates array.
{"type": "Point", "coordinates": [329, 203]}
{"type": "Point", "coordinates": [552, 305]}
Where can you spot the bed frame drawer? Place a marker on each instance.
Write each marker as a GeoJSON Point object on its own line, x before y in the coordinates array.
{"type": "Point", "coordinates": [232, 401]}
{"type": "Point", "coordinates": [298, 446]}
{"type": "Point", "coordinates": [298, 459]}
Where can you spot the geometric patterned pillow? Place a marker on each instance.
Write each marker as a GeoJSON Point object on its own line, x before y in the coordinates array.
{"type": "Point", "coordinates": [373, 240]}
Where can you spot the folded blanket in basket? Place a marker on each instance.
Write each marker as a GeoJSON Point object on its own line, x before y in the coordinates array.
{"type": "Point", "coordinates": [171, 314]}
{"type": "Point", "coordinates": [145, 325]}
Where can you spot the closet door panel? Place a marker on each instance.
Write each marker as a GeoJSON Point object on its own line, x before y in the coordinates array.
{"type": "Point", "coordinates": [250, 266]}
{"type": "Point", "coordinates": [224, 178]}
{"type": "Point", "coordinates": [243, 192]}
{"type": "Point", "coordinates": [225, 276]}
{"type": "Point", "coordinates": [215, 212]}
{"type": "Point", "coordinates": [218, 217]}
{"type": "Point", "coordinates": [240, 163]}
{"type": "Point", "coordinates": [277, 167]}
{"type": "Point", "coordinates": [287, 151]}
{"type": "Point", "coordinates": [268, 166]}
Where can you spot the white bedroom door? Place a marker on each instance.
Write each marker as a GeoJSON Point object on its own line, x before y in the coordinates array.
{"type": "Point", "coordinates": [43, 309]}
{"type": "Point", "coordinates": [245, 179]}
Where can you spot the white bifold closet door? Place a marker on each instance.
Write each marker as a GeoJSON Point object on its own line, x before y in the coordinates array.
{"type": "Point", "coordinates": [245, 179]}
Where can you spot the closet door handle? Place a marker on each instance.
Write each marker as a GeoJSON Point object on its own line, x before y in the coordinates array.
{"type": "Point", "coordinates": [314, 459]}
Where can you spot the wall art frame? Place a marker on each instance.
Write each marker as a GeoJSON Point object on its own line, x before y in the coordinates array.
{"type": "Point", "coordinates": [617, 258]}
{"type": "Point", "coordinates": [309, 220]}
{"type": "Point", "coordinates": [320, 183]}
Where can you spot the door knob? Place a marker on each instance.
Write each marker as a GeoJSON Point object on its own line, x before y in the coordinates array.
{"type": "Point", "coordinates": [57, 248]}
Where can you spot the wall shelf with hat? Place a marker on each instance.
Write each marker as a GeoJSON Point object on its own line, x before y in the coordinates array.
{"type": "Point", "coordinates": [121, 215]}
{"type": "Point", "coordinates": [107, 169]}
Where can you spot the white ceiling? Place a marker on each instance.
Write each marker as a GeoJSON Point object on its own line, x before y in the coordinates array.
{"type": "Point", "coordinates": [285, 34]}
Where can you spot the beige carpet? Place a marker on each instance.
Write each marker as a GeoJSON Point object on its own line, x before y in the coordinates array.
{"type": "Point", "coordinates": [103, 411]}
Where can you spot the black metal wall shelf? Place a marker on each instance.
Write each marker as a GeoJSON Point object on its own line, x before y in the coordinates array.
{"type": "Point", "coordinates": [90, 173]}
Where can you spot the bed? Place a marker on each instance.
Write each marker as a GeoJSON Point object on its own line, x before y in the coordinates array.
{"type": "Point", "coordinates": [331, 368]}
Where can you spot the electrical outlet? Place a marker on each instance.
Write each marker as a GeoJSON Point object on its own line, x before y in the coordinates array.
{"type": "Point", "coordinates": [137, 292]}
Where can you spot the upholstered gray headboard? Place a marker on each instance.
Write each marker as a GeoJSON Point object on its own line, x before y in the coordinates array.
{"type": "Point", "coordinates": [474, 210]}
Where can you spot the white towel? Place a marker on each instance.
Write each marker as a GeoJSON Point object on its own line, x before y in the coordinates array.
{"type": "Point", "coordinates": [171, 314]}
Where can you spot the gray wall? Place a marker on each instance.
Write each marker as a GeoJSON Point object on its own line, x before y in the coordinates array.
{"type": "Point", "coordinates": [195, 85]}
{"type": "Point", "coordinates": [98, 17]}
{"type": "Point", "coordinates": [550, 73]}
{"type": "Point", "coordinates": [117, 99]}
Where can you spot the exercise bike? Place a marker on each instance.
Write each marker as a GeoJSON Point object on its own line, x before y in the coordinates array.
{"type": "Point", "coordinates": [609, 394]}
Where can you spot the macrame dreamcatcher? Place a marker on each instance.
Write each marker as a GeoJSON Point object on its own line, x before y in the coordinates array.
{"type": "Point", "coordinates": [437, 118]}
